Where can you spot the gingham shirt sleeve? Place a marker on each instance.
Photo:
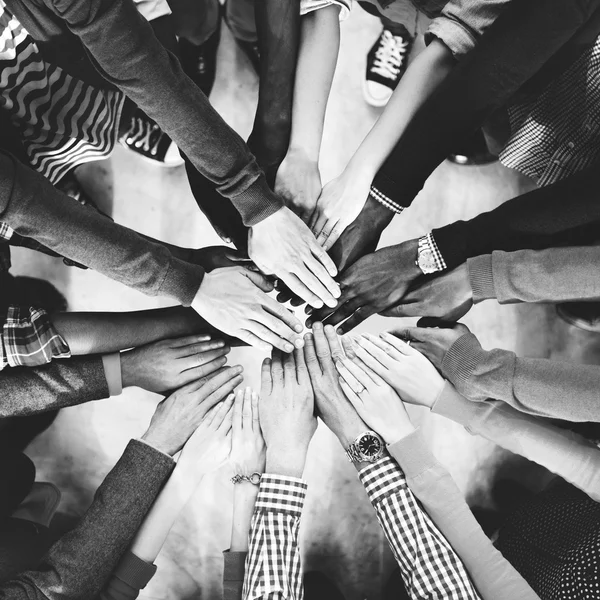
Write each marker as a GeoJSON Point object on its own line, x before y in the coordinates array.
{"type": "Point", "coordinates": [429, 566]}
{"type": "Point", "coordinates": [273, 567]}
{"type": "Point", "coordinates": [29, 339]}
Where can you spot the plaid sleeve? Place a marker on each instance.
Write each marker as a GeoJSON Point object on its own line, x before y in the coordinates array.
{"type": "Point", "coordinates": [273, 568]}
{"type": "Point", "coordinates": [429, 566]}
{"type": "Point", "coordinates": [29, 339]}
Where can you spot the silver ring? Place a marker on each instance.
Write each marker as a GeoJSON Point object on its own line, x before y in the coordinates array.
{"type": "Point", "coordinates": [361, 391]}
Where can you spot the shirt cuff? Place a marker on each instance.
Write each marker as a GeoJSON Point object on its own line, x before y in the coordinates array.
{"type": "Point", "coordinates": [139, 440]}
{"type": "Point", "coordinates": [459, 39]}
{"type": "Point", "coordinates": [134, 571]}
{"type": "Point", "coordinates": [413, 454]}
{"type": "Point", "coordinates": [112, 371]}
{"type": "Point", "coordinates": [280, 493]}
{"type": "Point", "coordinates": [382, 478]}
{"type": "Point", "coordinates": [462, 358]}
{"type": "Point", "coordinates": [481, 276]}
{"type": "Point", "coordinates": [257, 202]}
{"type": "Point", "coordinates": [182, 281]}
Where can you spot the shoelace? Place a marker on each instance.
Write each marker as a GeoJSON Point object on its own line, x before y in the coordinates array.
{"type": "Point", "coordinates": [143, 134]}
{"type": "Point", "coordinates": [390, 55]}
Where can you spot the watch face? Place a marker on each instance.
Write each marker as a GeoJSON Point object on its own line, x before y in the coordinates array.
{"type": "Point", "coordinates": [427, 261]}
{"type": "Point", "coordinates": [370, 445]}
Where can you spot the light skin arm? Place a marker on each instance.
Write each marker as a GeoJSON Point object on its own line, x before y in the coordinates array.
{"type": "Point", "coordinates": [298, 179]}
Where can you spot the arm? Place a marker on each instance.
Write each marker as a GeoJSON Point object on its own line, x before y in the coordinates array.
{"type": "Point", "coordinates": [79, 563]}
{"type": "Point", "coordinates": [494, 577]}
{"type": "Point", "coordinates": [563, 452]}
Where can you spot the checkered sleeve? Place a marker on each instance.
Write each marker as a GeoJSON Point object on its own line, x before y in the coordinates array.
{"type": "Point", "coordinates": [429, 566]}
{"type": "Point", "coordinates": [29, 339]}
{"type": "Point", "coordinates": [273, 568]}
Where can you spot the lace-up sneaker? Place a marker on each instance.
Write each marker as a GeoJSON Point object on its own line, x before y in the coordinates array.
{"type": "Point", "coordinates": [386, 63]}
{"type": "Point", "coordinates": [147, 139]}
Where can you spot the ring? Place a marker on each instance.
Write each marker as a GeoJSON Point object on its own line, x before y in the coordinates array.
{"type": "Point", "coordinates": [408, 342]}
{"type": "Point", "coordinates": [361, 391]}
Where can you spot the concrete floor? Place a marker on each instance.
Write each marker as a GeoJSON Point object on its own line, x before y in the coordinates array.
{"type": "Point", "coordinates": [339, 531]}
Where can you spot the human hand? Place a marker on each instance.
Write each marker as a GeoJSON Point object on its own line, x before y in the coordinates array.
{"type": "Point", "coordinates": [375, 401]}
{"type": "Point", "coordinates": [410, 373]}
{"type": "Point", "coordinates": [447, 296]}
{"type": "Point", "coordinates": [372, 284]}
{"type": "Point", "coordinates": [234, 300]}
{"type": "Point", "coordinates": [178, 416]}
{"type": "Point", "coordinates": [340, 203]}
{"type": "Point", "coordinates": [247, 445]}
{"type": "Point", "coordinates": [434, 342]}
{"type": "Point", "coordinates": [210, 444]}
{"type": "Point", "coordinates": [321, 350]}
{"type": "Point", "coordinates": [298, 182]}
{"type": "Point", "coordinates": [218, 257]}
{"type": "Point", "coordinates": [286, 410]}
{"type": "Point", "coordinates": [284, 246]}
{"type": "Point", "coordinates": [171, 364]}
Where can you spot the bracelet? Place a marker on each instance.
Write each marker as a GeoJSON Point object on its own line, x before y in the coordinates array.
{"type": "Point", "coordinates": [387, 202]}
{"type": "Point", "coordinates": [254, 478]}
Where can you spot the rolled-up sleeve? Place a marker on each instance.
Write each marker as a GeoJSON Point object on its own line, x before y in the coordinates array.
{"type": "Point", "coordinates": [308, 6]}
{"type": "Point", "coordinates": [462, 22]}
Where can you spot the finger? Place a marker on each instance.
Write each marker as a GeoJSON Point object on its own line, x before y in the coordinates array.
{"type": "Point", "coordinates": [359, 373]}
{"type": "Point", "coordinates": [289, 370]}
{"type": "Point", "coordinates": [370, 365]}
{"type": "Point", "coordinates": [324, 278]}
{"type": "Point", "coordinates": [324, 258]}
{"type": "Point", "coordinates": [298, 287]}
{"type": "Point", "coordinates": [322, 348]}
{"type": "Point", "coordinates": [202, 358]}
{"type": "Point", "coordinates": [348, 344]}
{"type": "Point", "coordinates": [214, 384]}
{"type": "Point", "coordinates": [410, 334]}
{"type": "Point", "coordinates": [335, 234]}
{"type": "Point", "coordinates": [259, 280]}
{"type": "Point", "coordinates": [283, 314]}
{"type": "Point", "coordinates": [246, 407]}
{"type": "Point", "coordinates": [352, 396]}
{"type": "Point", "coordinates": [325, 231]}
{"type": "Point", "coordinates": [346, 310]}
{"type": "Point", "coordinates": [223, 409]}
{"type": "Point", "coordinates": [203, 371]}
{"type": "Point", "coordinates": [277, 368]}
{"type": "Point", "coordinates": [399, 345]}
{"type": "Point", "coordinates": [360, 315]}
{"type": "Point", "coordinates": [253, 340]}
{"type": "Point", "coordinates": [347, 375]}
{"type": "Point", "coordinates": [334, 342]}
{"type": "Point", "coordinates": [266, 380]}
{"type": "Point", "coordinates": [302, 376]}
{"type": "Point", "coordinates": [199, 348]}
{"type": "Point", "coordinates": [255, 418]}
{"type": "Point", "coordinates": [265, 334]}
{"type": "Point", "coordinates": [237, 256]}
{"type": "Point", "coordinates": [319, 221]}
{"type": "Point", "coordinates": [431, 322]}
{"type": "Point", "coordinates": [237, 412]}
{"type": "Point", "coordinates": [310, 357]}
{"type": "Point", "coordinates": [189, 339]}
{"type": "Point", "coordinates": [377, 348]}
{"type": "Point", "coordinates": [222, 391]}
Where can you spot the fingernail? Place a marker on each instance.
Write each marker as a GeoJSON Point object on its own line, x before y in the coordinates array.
{"type": "Point", "coordinates": [332, 303]}
{"type": "Point", "coordinates": [309, 323]}
{"type": "Point", "coordinates": [238, 368]}
{"type": "Point", "coordinates": [219, 344]}
{"type": "Point", "coordinates": [338, 292]}
{"type": "Point", "coordinates": [289, 348]}
{"type": "Point", "coordinates": [299, 343]}
{"type": "Point", "coordinates": [318, 325]}
{"type": "Point", "coordinates": [308, 336]}
{"type": "Point", "coordinates": [340, 331]}
{"type": "Point", "coordinates": [298, 328]}
{"type": "Point", "coordinates": [328, 328]}
{"type": "Point", "coordinates": [317, 304]}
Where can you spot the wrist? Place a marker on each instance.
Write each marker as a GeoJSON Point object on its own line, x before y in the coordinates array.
{"type": "Point", "coordinates": [286, 461]}
{"type": "Point", "coordinates": [127, 369]}
{"type": "Point", "coordinates": [160, 443]}
{"type": "Point", "coordinates": [359, 171]}
{"type": "Point", "coordinates": [303, 153]}
{"type": "Point", "coordinates": [398, 433]}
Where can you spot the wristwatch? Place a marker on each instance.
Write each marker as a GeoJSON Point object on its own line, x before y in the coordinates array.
{"type": "Point", "coordinates": [429, 259]}
{"type": "Point", "coordinates": [367, 447]}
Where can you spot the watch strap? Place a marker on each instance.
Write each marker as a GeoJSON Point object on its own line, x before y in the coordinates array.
{"type": "Point", "coordinates": [427, 244]}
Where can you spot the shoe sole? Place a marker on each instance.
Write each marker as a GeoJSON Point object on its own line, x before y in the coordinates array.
{"type": "Point", "coordinates": [370, 100]}
{"type": "Point", "coordinates": [156, 163]}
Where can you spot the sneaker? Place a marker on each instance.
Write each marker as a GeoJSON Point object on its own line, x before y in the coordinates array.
{"type": "Point", "coordinates": [200, 62]}
{"type": "Point", "coordinates": [148, 140]}
{"type": "Point", "coordinates": [386, 63]}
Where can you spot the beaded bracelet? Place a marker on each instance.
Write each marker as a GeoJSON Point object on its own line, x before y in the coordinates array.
{"type": "Point", "coordinates": [254, 478]}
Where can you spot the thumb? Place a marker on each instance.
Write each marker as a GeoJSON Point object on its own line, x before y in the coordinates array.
{"type": "Point", "coordinates": [428, 322]}
{"type": "Point", "coordinates": [410, 334]}
{"type": "Point", "coordinates": [259, 280]}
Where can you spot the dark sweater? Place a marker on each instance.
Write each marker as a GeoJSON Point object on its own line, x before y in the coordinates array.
{"type": "Point", "coordinates": [124, 50]}
{"type": "Point", "coordinates": [79, 564]}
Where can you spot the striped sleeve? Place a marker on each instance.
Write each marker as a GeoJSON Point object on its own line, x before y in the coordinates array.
{"type": "Point", "coordinates": [29, 339]}
{"type": "Point", "coordinates": [273, 567]}
{"type": "Point", "coordinates": [429, 566]}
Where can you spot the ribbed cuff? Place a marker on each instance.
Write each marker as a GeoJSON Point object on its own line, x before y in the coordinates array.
{"type": "Point", "coordinates": [454, 406]}
{"type": "Point", "coordinates": [257, 202]}
{"type": "Point", "coordinates": [234, 565]}
{"type": "Point", "coordinates": [413, 454]}
{"type": "Point", "coordinates": [462, 358]}
{"type": "Point", "coordinates": [481, 277]}
{"type": "Point", "coordinates": [134, 571]}
{"type": "Point", "coordinates": [182, 281]}
{"type": "Point", "coordinates": [391, 189]}
{"type": "Point", "coordinates": [112, 371]}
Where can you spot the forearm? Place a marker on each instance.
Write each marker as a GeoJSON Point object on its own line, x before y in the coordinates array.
{"type": "Point", "coordinates": [422, 78]}
{"type": "Point", "coordinates": [533, 385]}
{"type": "Point", "coordinates": [563, 452]}
{"type": "Point", "coordinates": [494, 577]}
{"type": "Point", "coordinates": [102, 333]}
{"type": "Point", "coordinates": [317, 59]}
{"type": "Point", "coordinates": [244, 498]}
{"type": "Point", "coordinates": [553, 275]}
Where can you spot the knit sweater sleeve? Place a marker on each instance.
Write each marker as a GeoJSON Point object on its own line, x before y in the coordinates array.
{"type": "Point", "coordinates": [537, 386]}
{"type": "Point", "coordinates": [34, 208]}
{"type": "Point", "coordinates": [553, 275]}
{"type": "Point", "coordinates": [153, 78]}
{"type": "Point", "coordinates": [494, 577]}
{"type": "Point", "coordinates": [131, 575]}
{"type": "Point", "coordinates": [79, 564]}
{"type": "Point", "coordinates": [563, 452]}
{"type": "Point", "coordinates": [234, 569]}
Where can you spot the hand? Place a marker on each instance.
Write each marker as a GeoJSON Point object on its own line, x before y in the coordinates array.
{"type": "Point", "coordinates": [433, 342]}
{"type": "Point", "coordinates": [448, 296]}
{"type": "Point", "coordinates": [373, 284]}
{"type": "Point", "coordinates": [284, 246]}
{"type": "Point", "coordinates": [178, 416]}
{"type": "Point", "coordinates": [247, 445]}
{"type": "Point", "coordinates": [375, 401]}
{"type": "Point", "coordinates": [218, 257]}
{"type": "Point", "coordinates": [170, 364]}
{"type": "Point", "coordinates": [286, 409]}
{"type": "Point", "coordinates": [362, 236]}
{"type": "Point", "coordinates": [339, 204]}
{"type": "Point", "coordinates": [410, 373]}
{"type": "Point", "coordinates": [234, 300]}
{"type": "Point", "coordinates": [210, 444]}
{"type": "Point", "coordinates": [298, 182]}
{"type": "Point", "coordinates": [322, 349]}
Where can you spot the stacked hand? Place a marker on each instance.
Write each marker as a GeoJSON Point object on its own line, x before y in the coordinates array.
{"type": "Point", "coordinates": [247, 446]}
{"type": "Point", "coordinates": [171, 364]}
{"type": "Point", "coordinates": [286, 410]}
{"type": "Point", "coordinates": [219, 257]}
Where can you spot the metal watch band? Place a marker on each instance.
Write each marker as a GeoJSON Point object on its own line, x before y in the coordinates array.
{"type": "Point", "coordinates": [427, 244]}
